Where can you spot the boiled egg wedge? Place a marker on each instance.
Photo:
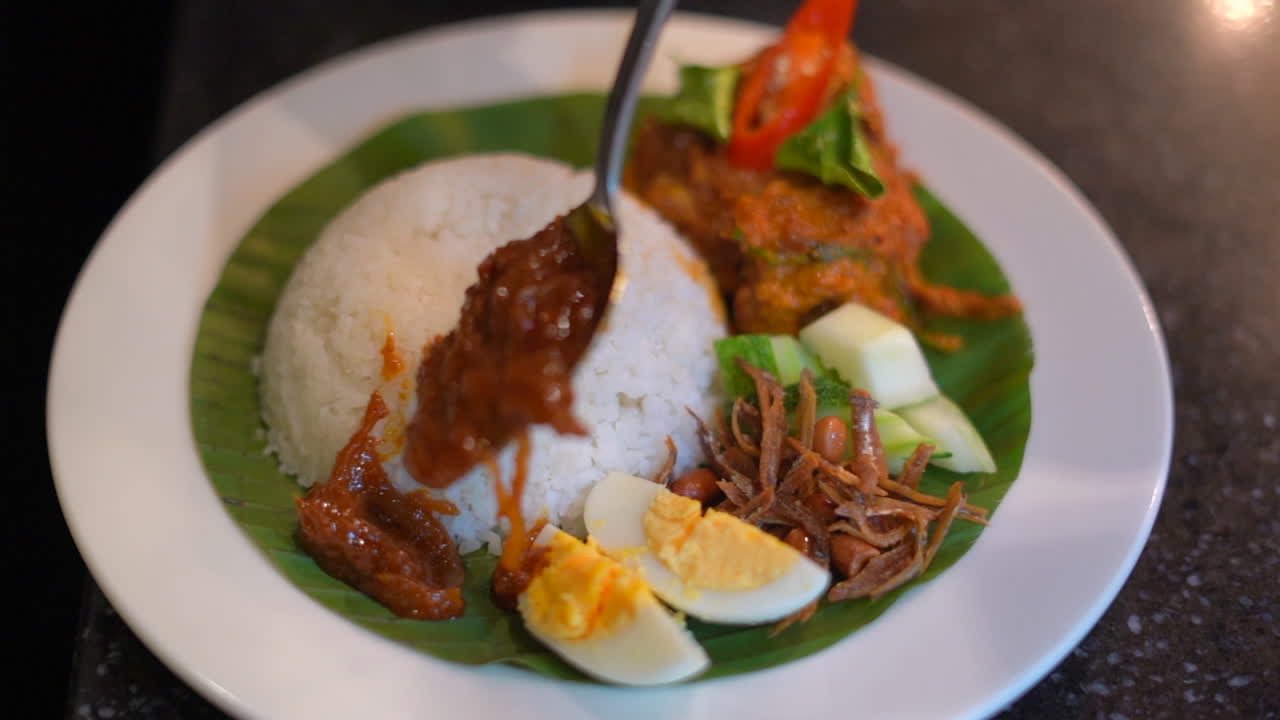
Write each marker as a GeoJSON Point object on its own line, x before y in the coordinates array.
{"type": "Point", "coordinates": [601, 617]}
{"type": "Point", "coordinates": [712, 566]}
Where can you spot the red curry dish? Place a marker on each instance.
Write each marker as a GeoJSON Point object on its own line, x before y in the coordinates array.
{"type": "Point", "coordinates": [785, 247]}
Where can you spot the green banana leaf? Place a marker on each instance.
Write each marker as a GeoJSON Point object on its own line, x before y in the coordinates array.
{"type": "Point", "coordinates": [988, 378]}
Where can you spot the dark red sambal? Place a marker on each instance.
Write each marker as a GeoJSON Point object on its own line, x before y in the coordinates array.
{"type": "Point", "coordinates": [509, 362]}
{"type": "Point", "coordinates": [390, 545]}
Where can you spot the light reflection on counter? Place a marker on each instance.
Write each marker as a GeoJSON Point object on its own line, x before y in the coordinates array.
{"type": "Point", "coordinates": [1241, 14]}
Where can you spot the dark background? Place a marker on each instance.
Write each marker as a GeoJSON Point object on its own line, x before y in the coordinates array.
{"type": "Point", "coordinates": [1165, 113]}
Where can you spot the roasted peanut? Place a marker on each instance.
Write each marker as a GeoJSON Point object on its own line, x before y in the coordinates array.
{"type": "Point", "coordinates": [698, 484]}
{"type": "Point", "coordinates": [831, 438]}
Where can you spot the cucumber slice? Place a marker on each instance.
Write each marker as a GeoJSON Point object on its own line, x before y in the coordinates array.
{"type": "Point", "coordinates": [872, 352]}
{"type": "Point", "coordinates": [952, 432]}
{"type": "Point", "coordinates": [899, 438]}
{"type": "Point", "coordinates": [791, 358]}
{"type": "Point", "coordinates": [781, 355]}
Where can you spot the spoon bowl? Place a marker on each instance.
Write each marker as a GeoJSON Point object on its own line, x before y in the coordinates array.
{"type": "Point", "coordinates": [594, 224]}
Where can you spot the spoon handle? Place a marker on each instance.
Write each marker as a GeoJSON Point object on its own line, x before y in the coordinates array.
{"type": "Point", "coordinates": [616, 129]}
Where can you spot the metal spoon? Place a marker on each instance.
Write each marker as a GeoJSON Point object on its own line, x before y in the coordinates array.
{"type": "Point", "coordinates": [593, 223]}
{"type": "Point", "coordinates": [437, 453]}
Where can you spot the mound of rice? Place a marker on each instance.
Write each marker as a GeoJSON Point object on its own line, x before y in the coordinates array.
{"type": "Point", "coordinates": [401, 258]}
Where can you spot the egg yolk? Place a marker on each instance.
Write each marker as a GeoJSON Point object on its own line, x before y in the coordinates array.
{"type": "Point", "coordinates": [716, 551]}
{"type": "Point", "coordinates": [582, 593]}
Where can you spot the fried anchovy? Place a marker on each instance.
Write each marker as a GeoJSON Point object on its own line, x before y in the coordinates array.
{"type": "Point", "coordinates": [881, 574]}
{"type": "Point", "coordinates": [773, 421]}
{"type": "Point", "coordinates": [807, 409]}
{"type": "Point", "coordinates": [714, 449]}
{"type": "Point", "coordinates": [744, 440]}
{"type": "Point", "coordinates": [955, 499]}
{"type": "Point", "coordinates": [967, 511]}
{"type": "Point", "coordinates": [836, 471]}
{"type": "Point", "coordinates": [664, 474]}
{"type": "Point", "coordinates": [913, 468]}
{"type": "Point", "coordinates": [868, 461]}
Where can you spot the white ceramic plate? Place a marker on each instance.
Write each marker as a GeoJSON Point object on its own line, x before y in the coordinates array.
{"type": "Point", "coordinates": [211, 607]}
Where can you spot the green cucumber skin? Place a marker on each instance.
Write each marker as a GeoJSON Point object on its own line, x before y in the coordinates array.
{"type": "Point", "coordinates": [780, 355]}
{"type": "Point", "coordinates": [791, 359]}
{"type": "Point", "coordinates": [899, 437]}
{"type": "Point", "coordinates": [954, 433]}
{"type": "Point", "coordinates": [873, 352]}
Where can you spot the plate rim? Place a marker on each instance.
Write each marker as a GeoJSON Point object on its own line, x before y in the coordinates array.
{"type": "Point", "coordinates": [1062, 184]}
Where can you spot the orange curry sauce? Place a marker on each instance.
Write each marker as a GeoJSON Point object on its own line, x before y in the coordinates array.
{"type": "Point", "coordinates": [392, 363]}
{"type": "Point", "coordinates": [520, 561]}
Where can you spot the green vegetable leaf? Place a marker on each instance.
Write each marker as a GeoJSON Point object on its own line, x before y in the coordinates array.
{"type": "Point", "coordinates": [832, 392]}
{"type": "Point", "coordinates": [834, 149]}
{"type": "Point", "coordinates": [780, 355]}
{"type": "Point", "coordinates": [705, 99]}
{"type": "Point", "coordinates": [755, 349]}
{"type": "Point", "coordinates": [988, 379]}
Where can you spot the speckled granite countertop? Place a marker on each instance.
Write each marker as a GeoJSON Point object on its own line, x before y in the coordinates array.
{"type": "Point", "coordinates": [1165, 114]}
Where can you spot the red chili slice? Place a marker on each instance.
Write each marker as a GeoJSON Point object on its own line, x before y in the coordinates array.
{"type": "Point", "coordinates": [805, 57]}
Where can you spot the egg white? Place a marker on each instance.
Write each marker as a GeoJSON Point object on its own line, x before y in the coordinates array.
{"type": "Point", "coordinates": [614, 514]}
{"type": "Point", "coordinates": [651, 648]}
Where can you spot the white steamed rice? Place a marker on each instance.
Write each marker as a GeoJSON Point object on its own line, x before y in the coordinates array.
{"type": "Point", "coordinates": [402, 257]}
